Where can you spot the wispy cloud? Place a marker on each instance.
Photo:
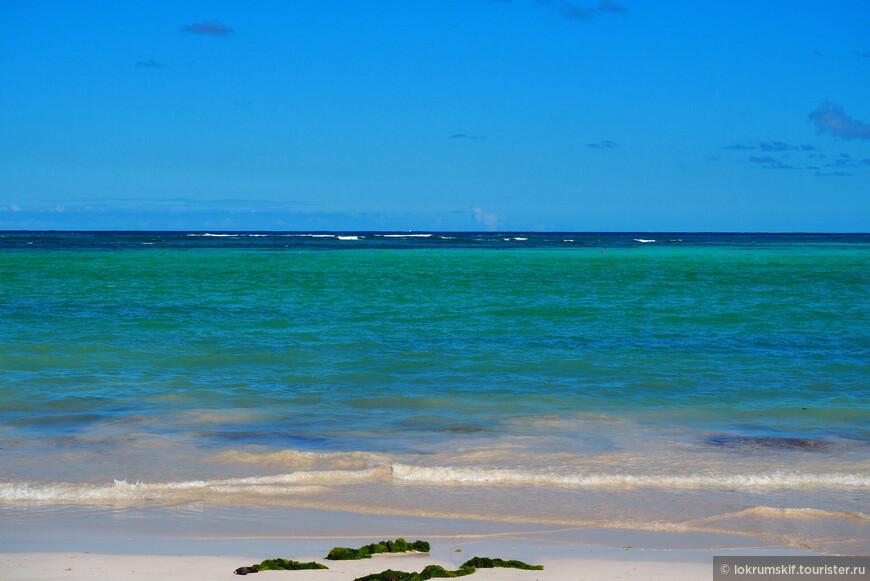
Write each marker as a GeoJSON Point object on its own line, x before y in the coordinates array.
{"type": "Point", "coordinates": [833, 174]}
{"type": "Point", "coordinates": [769, 162]}
{"type": "Point", "coordinates": [604, 144]}
{"type": "Point", "coordinates": [846, 160]}
{"type": "Point", "coordinates": [770, 146]}
{"type": "Point", "coordinates": [571, 11]}
{"type": "Point", "coordinates": [229, 205]}
{"type": "Point", "coordinates": [775, 146]}
{"type": "Point", "coordinates": [775, 154]}
{"type": "Point", "coordinates": [208, 219]}
{"type": "Point", "coordinates": [208, 27]}
{"type": "Point", "coordinates": [611, 8]}
{"type": "Point", "coordinates": [832, 118]}
{"type": "Point", "coordinates": [488, 219]}
{"type": "Point", "coordinates": [150, 64]}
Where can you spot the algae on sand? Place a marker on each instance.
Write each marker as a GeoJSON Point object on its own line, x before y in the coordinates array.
{"type": "Point", "coordinates": [366, 551]}
{"type": "Point", "coordinates": [487, 563]}
{"type": "Point", "coordinates": [279, 565]}
{"type": "Point", "coordinates": [438, 572]}
{"type": "Point", "coordinates": [430, 572]}
{"type": "Point", "coordinates": [397, 546]}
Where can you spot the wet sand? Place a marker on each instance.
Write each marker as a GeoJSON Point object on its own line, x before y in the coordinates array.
{"type": "Point", "coordinates": [199, 543]}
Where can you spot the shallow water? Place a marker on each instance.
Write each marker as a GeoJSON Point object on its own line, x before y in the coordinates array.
{"type": "Point", "coordinates": [583, 378]}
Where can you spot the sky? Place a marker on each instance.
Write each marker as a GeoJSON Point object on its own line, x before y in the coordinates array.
{"type": "Point", "coordinates": [549, 115]}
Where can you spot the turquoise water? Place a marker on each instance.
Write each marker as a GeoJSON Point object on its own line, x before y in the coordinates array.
{"type": "Point", "coordinates": [661, 361]}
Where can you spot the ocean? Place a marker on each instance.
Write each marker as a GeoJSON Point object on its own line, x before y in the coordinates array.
{"type": "Point", "coordinates": [654, 381]}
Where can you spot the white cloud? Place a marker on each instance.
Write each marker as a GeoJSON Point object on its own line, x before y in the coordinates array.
{"type": "Point", "coordinates": [488, 219]}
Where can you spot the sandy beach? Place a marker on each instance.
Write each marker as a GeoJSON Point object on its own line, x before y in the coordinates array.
{"type": "Point", "coordinates": [206, 543]}
{"type": "Point", "coordinates": [96, 567]}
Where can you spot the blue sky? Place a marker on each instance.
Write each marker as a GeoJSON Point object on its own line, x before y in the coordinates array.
{"type": "Point", "coordinates": [436, 115]}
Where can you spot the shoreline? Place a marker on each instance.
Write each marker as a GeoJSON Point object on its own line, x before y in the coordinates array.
{"type": "Point", "coordinates": [195, 543]}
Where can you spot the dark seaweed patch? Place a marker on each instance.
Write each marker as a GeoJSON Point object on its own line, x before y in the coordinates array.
{"type": "Point", "coordinates": [397, 546]}
{"type": "Point", "coordinates": [769, 443]}
{"type": "Point", "coordinates": [366, 551]}
{"type": "Point", "coordinates": [279, 565]}
{"type": "Point", "coordinates": [438, 572]}
{"type": "Point", "coordinates": [487, 563]}
{"type": "Point", "coordinates": [430, 572]}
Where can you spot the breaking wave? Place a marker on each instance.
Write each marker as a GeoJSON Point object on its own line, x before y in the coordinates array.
{"type": "Point", "coordinates": [447, 475]}
{"type": "Point", "coordinates": [313, 481]}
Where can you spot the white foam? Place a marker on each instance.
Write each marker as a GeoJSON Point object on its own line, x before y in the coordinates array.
{"type": "Point", "coordinates": [216, 235]}
{"type": "Point", "coordinates": [348, 237]}
{"type": "Point", "coordinates": [230, 235]}
{"type": "Point", "coordinates": [317, 481]}
{"type": "Point", "coordinates": [643, 240]}
{"type": "Point", "coordinates": [520, 238]}
{"type": "Point", "coordinates": [310, 235]}
{"type": "Point", "coordinates": [447, 474]}
{"type": "Point", "coordinates": [280, 484]}
{"type": "Point", "coordinates": [295, 460]}
{"type": "Point", "coordinates": [406, 235]}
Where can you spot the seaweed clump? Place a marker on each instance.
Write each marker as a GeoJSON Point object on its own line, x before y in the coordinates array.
{"type": "Point", "coordinates": [388, 575]}
{"type": "Point", "coordinates": [279, 565]}
{"type": "Point", "coordinates": [430, 572]}
{"type": "Point", "coordinates": [366, 551]}
{"type": "Point", "coordinates": [487, 563]}
{"type": "Point", "coordinates": [397, 546]}
{"type": "Point", "coordinates": [438, 572]}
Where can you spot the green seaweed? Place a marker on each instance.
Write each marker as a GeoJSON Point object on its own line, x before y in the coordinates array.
{"type": "Point", "coordinates": [366, 551]}
{"type": "Point", "coordinates": [388, 575]}
{"type": "Point", "coordinates": [487, 563]}
{"type": "Point", "coordinates": [419, 546]}
{"type": "Point", "coordinates": [430, 572]}
{"type": "Point", "coordinates": [397, 546]}
{"type": "Point", "coordinates": [278, 564]}
{"type": "Point", "coordinates": [288, 565]}
{"type": "Point", "coordinates": [438, 572]}
{"type": "Point", "coordinates": [346, 554]}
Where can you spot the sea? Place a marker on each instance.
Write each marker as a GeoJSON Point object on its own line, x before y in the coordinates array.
{"type": "Point", "coordinates": [708, 382]}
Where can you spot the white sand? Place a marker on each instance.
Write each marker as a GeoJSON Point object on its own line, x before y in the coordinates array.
{"type": "Point", "coordinates": [209, 543]}
{"type": "Point", "coordinates": [93, 567]}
